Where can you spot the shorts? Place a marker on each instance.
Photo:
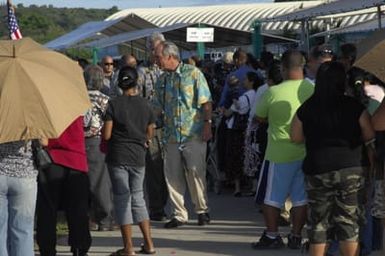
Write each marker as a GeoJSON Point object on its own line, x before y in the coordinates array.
{"type": "Point", "coordinates": [278, 181]}
{"type": "Point", "coordinates": [334, 199]}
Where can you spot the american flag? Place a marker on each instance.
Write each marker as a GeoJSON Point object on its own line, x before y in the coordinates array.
{"type": "Point", "coordinates": [14, 31]}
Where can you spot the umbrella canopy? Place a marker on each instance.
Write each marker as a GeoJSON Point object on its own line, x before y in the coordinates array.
{"type": "Point", "coordinates": [41, 91]}
{"type": "Point", "coordinates": [371, 54]}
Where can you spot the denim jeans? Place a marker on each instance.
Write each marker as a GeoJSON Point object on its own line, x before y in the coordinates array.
{"type": "Point", "coordinates": [127, 187]}
{"type": "Point", "coordinates": [17, 210]}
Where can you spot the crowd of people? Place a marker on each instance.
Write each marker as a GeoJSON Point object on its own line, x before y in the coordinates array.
{"type": "Point", "coordinates": [301, 134]}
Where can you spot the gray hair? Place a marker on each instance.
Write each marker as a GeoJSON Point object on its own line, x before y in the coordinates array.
{"type": "Point", "coordinates": [157, 36]}
{"type": "Point", "coordinates": [170, 49]}
{"type": "Point", "coordinates": [94, 76]}
{"type": "Point", "coordinates": [154, 37]}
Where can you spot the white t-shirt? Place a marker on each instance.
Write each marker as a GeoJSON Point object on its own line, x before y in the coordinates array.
{"type": "Point", "coordinates": [260, 91]}
{"type": "Point", "coordinates": [374, 92]}
{"type": "Point", "coordinates": [243, 105]}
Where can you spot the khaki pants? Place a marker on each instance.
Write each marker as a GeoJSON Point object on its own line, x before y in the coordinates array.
{"type": "Point", "coordinates": [186, 167]}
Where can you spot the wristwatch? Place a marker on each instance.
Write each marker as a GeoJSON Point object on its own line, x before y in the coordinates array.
{"type": "Point", "coordinates": [208, 121]}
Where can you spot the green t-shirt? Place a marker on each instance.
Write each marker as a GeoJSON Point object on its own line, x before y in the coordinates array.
{"type": "Point", "coordinates": [279, 105]}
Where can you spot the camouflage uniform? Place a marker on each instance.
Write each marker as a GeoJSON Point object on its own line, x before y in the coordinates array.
{"type": "Point", "coordinates": [147, 77]}
{"type": "Point", "coordinates": [333, 200]}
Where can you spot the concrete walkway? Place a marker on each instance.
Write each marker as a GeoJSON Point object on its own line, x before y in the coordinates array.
{"type": "Point", "coordinates": [236, 223]}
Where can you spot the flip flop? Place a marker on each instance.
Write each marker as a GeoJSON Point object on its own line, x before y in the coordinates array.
{"type": "Point", "coordinates": [143, 250]}
{"type": "Point", "coordinates": [122, 252]}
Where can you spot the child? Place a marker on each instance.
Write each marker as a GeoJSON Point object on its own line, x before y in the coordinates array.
{"type": "Point", "coordinates": [128, 128]}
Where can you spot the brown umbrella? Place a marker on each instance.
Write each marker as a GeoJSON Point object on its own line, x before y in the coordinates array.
{"type": "Point", "coordinates": [371, 54]}
{"type": "Point", "coordinates": [41, 91]}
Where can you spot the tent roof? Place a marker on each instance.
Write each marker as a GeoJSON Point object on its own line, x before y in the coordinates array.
{"type": "Point", "coordinates": [235, 16]}
{"type": "Point", "coordinates": [328, 8]}
{"type": "Point", "coordinates": [365, 26]}
{"type": "Point", "coordinates": [99, 29]}
{"type": "Point", "coordinates": [223, 37]}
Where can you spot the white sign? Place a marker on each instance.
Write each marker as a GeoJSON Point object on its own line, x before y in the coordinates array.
{"type": "Point", "coordinates": [200, 35]}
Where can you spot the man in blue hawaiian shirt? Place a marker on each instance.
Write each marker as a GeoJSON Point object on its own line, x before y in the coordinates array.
{"type": "Point", "coordinates": [183, 97]}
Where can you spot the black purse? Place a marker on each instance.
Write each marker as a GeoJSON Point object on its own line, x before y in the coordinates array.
{"type": "Point", "coordinates": [41, 156]}
{"type": "Point", "coordinates": [241, 120]}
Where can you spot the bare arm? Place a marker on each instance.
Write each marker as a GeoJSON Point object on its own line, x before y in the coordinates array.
{"type": "Point", "coordinates": [150, 131]}
{"type": "Point", "coordinates": [43, 142]}
{"type": "Point", "coordinates": [367, 130]}
{"type": "Point", "coordinates": [378, 119]}
{"type": "Point", "coordinates": [368, 136]}
{"type": "Point", "coordinates": [107, 130]}
{"type": "Point", "coordinates": [296, 131]}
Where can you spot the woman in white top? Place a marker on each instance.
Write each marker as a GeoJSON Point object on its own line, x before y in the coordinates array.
{"type": "Point", "coordinates": [256, 135]}
{"type": "Point", "coordinates": [237, 124]}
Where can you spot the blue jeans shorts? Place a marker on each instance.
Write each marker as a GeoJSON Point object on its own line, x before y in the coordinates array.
{"type": "Point", "coordinates": [127, 187]}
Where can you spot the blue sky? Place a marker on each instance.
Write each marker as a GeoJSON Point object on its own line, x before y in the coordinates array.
{"type": "Point", "coordinates": [122, 4]}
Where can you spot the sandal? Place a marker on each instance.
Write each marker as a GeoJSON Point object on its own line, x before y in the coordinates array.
{"type": "Point", "coordinates": [122, 252]}
{"type": "Point", "coordinates": [143, 250]}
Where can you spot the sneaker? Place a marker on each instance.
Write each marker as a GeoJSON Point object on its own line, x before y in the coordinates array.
{"type": "Point", "coordinates": [203, 219]}
{"type": "Point", "coordinates": [294, 242]}
{"type": "Point", "coordinates": [268, 243]}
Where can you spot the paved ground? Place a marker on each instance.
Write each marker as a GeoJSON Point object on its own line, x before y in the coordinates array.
{"type": "Point", "coordinates": [235, 224]}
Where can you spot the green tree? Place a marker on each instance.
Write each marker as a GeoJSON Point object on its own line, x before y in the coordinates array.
{"type": "Point", "coordinates": [44, 23]}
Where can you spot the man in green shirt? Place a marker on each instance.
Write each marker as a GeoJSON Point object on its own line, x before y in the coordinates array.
{"type": "Point", "coordinates": [281, 174]}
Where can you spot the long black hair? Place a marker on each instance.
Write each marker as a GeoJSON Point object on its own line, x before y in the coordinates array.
{"type": "Point", "coordinates": [330, 84]}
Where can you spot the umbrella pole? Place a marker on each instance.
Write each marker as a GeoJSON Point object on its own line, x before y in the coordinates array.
{"type": "Point", "coordinates": [379, 16]}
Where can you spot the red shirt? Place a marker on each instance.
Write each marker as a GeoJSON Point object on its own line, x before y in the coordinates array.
{"type": "Point", "coordinates": [69, 149]}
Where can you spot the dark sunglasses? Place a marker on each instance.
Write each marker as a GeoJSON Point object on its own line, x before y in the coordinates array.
{"type": "Point", "coordinates": [108, 64]}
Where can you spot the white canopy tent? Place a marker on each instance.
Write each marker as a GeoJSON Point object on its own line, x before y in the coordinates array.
{"type": "Point", "coordinates": [324, 11]}
{"type": "Point", "coordinates": [366, 26]}
{"type": "Point", "coordinates": [223, 37]}
{"type": "Point", "coordinates": [328, 8]}
{"type": "Point", "coordinates": [99, 29]}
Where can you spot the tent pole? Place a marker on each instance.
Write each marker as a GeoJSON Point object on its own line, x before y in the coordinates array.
{"type": "Point", "coordinates": [307, 45]}
{"type": "Point", "coordinates": [379, 16]}
{"type": "Point", "coordinates": [303, 37]}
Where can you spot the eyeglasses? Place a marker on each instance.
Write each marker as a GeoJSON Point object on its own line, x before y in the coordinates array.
{"type": "Point", "coordinates": [108, 64]}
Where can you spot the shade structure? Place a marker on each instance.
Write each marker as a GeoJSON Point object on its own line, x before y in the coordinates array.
{"type": "Point", "coordinates": [371, 54]}
{"type": "Point", "coordinates": [223, 37]}
{"type": "Point", "coordinates": [328, 8]}
{"type": "Point", "coordinates": [41, 91]}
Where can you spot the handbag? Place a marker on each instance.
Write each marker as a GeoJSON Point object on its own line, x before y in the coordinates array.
{"type": "Point", "coordinates": [41, 156]}
{"type": "Point", "coordinates": [241, 120]}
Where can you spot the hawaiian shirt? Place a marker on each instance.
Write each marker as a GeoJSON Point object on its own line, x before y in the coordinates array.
{"type": "Point", "coordinates": [16, 160]}
{"type": "Point", "coordinates": [93, 119]}
{"type": "Point", "coordinates": [180, 95]}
